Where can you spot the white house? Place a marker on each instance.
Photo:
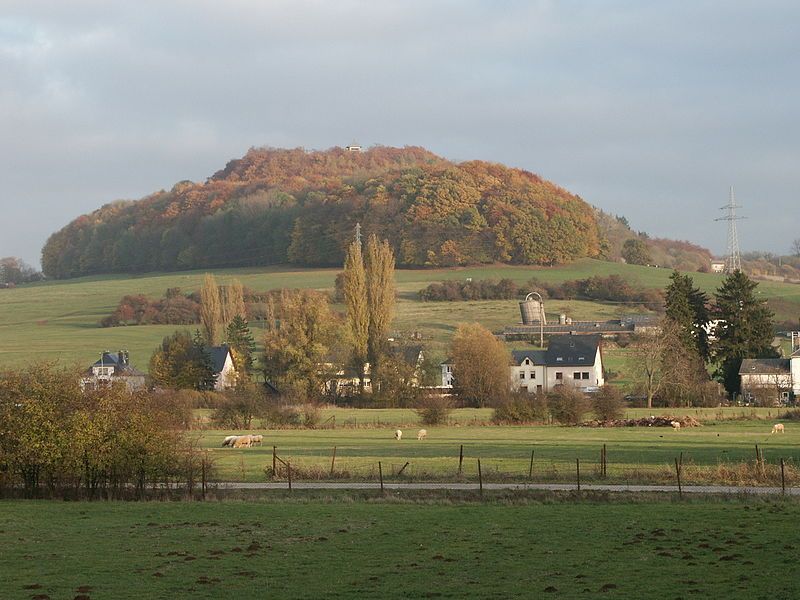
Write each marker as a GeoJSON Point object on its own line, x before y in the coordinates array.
{"type": "Point", "coordinates": [222, 365]}
{"type": "Point", "coordinates": [113, 367]}
{"type": "Point", "coordinates": [569, 360]}
{"type": "Point", "coordinates": [717, 266]}
{"type": "Point", "coordinates": [772, 380]}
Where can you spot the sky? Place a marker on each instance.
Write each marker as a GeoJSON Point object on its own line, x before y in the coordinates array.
{"type": "Point", "coordinates": [650, 110]}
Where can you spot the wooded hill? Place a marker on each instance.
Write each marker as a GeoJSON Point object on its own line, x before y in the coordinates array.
{"type": "Point", "coordinates": [276, 206]}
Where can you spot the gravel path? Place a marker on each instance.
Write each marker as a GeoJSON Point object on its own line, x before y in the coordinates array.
{"type": "Point", "coordinates": [688, 489]}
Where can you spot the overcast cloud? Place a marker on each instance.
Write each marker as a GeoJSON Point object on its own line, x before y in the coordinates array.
{"type": "Point", "coordinates": [648, 110]}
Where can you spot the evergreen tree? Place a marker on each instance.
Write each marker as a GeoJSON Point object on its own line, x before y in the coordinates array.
{"type": "Point", "coordinates": [354, 292]}
{"type": "Point", "coordinates": [241, 342]}
{"type": "Point", "coordinates": [745, 329]}
{"type": "Point", "coordinates": [686, 307]}
{"type": "Point", "coordinates": [211, 310]}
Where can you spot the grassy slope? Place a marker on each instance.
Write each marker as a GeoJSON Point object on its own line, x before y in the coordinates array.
{"type": "Point", "coordinates": [339, 549]}
{"type": "Point", "coordinates": [635, 454]}
{"type": "Point", "coordinates": [59, 320]}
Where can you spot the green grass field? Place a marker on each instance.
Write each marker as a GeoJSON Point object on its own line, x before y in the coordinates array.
{"type": "Point", "coordinates": [59, 320]}
{"type": "Point", "coordinates": [337, 548]}
{"type": "Point", "coordinates": [719, 451]}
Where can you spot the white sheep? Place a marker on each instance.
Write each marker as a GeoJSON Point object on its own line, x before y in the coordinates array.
{"type": "Point", "coordinates": [398, 434]}
{"type": "Point", "coordinates": [243, 441]}
{"type": "Point", "coordinates": [778, 428]}
{"type": "Point", "coordinates": [256, 439]}
{"type": "Point", "coordinates": [675, 425]}
{"type": "Point", "coordinates": [423, 433]}
{"type": "Point", "coordinates": [228, 441]}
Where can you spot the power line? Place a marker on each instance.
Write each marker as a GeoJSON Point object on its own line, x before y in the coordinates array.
{"type": "Point", "coordinates": [733, 260]}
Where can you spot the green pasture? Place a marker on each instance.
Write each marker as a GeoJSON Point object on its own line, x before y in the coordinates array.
{"type": "Point", "coordinates": [718, 451]}
{"type": "Point", "coordinates": [331, 548]}
{"type": "Point", "coordinates": [59, 321]}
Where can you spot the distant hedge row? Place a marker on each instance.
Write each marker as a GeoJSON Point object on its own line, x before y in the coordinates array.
{"type": "Point", "coordinates": [613, 288]}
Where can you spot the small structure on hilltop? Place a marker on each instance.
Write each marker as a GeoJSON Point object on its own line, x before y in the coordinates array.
{"type": "Point", "coordinates": [113, 367]}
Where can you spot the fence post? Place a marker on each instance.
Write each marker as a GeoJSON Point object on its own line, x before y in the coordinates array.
{"type": "Point", "coordinates": [203, 488]}
{"type": "Point", "coordinates": [480, 477]}
{"type": "Point", "coordinates": [380, 474]}
{"type": "Point", "coordinates": [578, 472]}
{"type": "Point", "coordinates": [460, 458]}
{"type": "Point", "coordinates": [289, 473]}
{"type": "Point", "coordinates": [783, 478]}
{"type": "Point", "coordinates": [530, 469]}
{"type": "Point", "coordinates": [274, 462]}
{"type": "Point", "coordinates": [400, 472]}
{"type": "Point", "coordinates": [333, 459]}
{"type": "Point", "coordinates": [678, 475]}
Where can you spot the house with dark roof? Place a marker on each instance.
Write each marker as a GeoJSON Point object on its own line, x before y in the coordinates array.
{"type": "Point", "coordinates": [569, 360]}
{"type": "Point", "coordinates": [113, 367]}
{"type": "Point", "coordinates": [223, 367]}
{"type": "Point", "coordinates": [769, 381]}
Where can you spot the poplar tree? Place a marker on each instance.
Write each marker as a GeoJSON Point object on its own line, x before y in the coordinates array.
{"type": "Point", "coordinates": [354, 290]}
{"type": "Point", "coordinates": [379, 267]}
{"type": "Point", "coordinates": [211, 310]}
{"type": "Point", "coordinates": [232, 303]}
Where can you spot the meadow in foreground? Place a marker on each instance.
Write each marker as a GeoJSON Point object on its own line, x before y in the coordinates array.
{"type": "Point", "coordinates": [336, 548]}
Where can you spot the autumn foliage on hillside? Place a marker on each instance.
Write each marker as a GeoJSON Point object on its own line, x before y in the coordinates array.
{"type": "Point", "coordinates": [277, 206]}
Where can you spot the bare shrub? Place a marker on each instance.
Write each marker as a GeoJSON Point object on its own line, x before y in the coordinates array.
{"type": "Point", "coordinates": [237, 409]}
{"type": "Point", "coordinates": [434, 409]}
{"type": "Point", "coordinates": [608, 404]}
{"type": "Point", "coordinates": [568, 404]}
{"type": "Point", "coordinates": [522, 407]}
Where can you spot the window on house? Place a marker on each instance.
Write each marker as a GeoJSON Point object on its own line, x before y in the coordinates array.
{"type": "Point", "coordinates": [559, 358]}
{"type": "Point", "coordinates": [522, 375]}
{"type": "Point", "coordinates": [576, 375]}
{"type": "Point", "coordinates": [559, 375]}
{"type": "Point", "coordinates": [527, 361]}
{"type": "Point", "coordinates": [523, 388]}
{"type": "Point", "coordinates": [585, 375]}
{"type": "Point", "coordinates": [533, 374]}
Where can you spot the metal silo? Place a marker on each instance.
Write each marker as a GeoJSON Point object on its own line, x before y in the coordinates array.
{"type": "Point", "coordinates": [532, 310]}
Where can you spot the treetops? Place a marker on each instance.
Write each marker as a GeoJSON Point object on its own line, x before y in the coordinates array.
{"type": "Point", "coordinates": [276, 206]}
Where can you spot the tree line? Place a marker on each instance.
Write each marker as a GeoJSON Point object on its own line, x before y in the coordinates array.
{"type": "Point", "coordinates": [57, 440]}
{"type": "Point", "coordinates": [278, 206]}
{"type": "Point", "coordinates": [613, 288]}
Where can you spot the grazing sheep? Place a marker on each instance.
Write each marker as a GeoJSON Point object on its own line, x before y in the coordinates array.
{"type": "Point", "coordinates": [243, 441]}
{"type": "Point", "coordinates": [423, 433]}
{"type": "Point", "coordinates": [675, 425]}
{"type": "Point", "coordinates": [256, 439]}
{"type": "Point", "coordinates": [778, 428]}
{"type": "Point", "coordinates": [398, 434]}
{"type": "Point", "coordinates": [228, 441]}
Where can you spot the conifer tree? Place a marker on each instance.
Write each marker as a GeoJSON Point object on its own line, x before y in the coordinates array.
{"type": "Point", "coordinates": [242, 343]}
{"type": "Point", "coordinates": [686, 307]}
{"type": "Point", "coordinates": [745, 328]}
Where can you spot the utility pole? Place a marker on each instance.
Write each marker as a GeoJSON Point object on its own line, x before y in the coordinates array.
{"type": "Point", "coordinates": [733, 260]}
